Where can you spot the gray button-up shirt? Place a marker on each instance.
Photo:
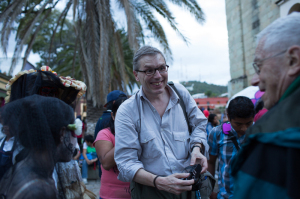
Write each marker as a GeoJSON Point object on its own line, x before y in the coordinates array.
{"type": "Point", "coordinates": [161, 146]}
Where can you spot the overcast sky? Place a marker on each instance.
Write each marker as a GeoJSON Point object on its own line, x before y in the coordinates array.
{"type": "Point", "coordinates": [204, 59]}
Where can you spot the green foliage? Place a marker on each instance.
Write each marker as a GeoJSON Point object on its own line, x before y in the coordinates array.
{"type": "Point", "coordinates": [63, 56]}
{"type": "Point", "coordinates": [128, 57]}
{"type": "Point", "coordinates": [100, 57]}
{"type": "Point", "coordinates": [4, 4]}
{"type": "Point", "coordinates": [210, 90]}
{"type": "Point", "coordinates": [208, 93]}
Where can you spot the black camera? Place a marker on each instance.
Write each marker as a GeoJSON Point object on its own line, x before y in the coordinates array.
{"type": "Point", "coordinates": [194, 172]}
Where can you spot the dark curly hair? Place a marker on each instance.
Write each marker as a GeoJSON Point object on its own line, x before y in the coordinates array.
{"type": "Point", "coordinates": [211, 117]}
{"type": "Point", "coordinates": [241, 107]}
{"type": "Point", "coordinates": [89, 138]}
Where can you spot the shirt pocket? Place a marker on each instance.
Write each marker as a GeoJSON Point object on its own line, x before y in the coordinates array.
{"type": "Point", "coordinates": [149, 144]}
{"type": "Point", "coordinates": [180, 146]}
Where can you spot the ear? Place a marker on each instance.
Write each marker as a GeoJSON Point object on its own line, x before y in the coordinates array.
{"type": "Point", "coordinates": [294, 61]}
{"type": "Point", "coordinates": [112, 115]}
{"type": "Point", "coordinates": [136, 76]}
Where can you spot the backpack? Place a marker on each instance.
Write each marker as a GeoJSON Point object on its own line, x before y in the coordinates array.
{"type": "Point", "coordinates": [226, 129]}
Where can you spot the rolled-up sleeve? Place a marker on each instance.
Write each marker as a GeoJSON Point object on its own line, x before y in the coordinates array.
{"type": "Point", "coordinates": [127, 146]}
{"type": "Point", "coordinates": [197, 120]}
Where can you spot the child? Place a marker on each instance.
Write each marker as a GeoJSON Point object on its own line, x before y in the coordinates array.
{"type": "Point", "coordinates": [89, 154]}
{"type": "Point", "coordinates": [225, 140]}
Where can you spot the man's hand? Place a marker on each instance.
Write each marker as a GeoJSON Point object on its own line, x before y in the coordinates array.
{"type": "Point", "coordinates": [198, 158]}
{"type": "Point", "coordinates": [173, 183]}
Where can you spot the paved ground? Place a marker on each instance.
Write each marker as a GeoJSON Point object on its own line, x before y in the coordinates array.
{"type": "Point", "coordinates": [94, 186]}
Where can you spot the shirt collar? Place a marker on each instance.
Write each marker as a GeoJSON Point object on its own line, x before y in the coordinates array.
{"type": "Point", "coordinates": [173, 96]}
{"type": "Point", "coordinates": [9, 140]}
{"type": "Point", "coordinates": [291, 89]}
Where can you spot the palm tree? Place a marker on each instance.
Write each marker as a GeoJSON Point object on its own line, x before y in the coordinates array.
{"type": "Point", "coordinates": [96, 34]}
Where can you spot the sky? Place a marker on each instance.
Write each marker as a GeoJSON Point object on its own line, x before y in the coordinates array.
{"type": "Point", "coordinates": [206, 56]}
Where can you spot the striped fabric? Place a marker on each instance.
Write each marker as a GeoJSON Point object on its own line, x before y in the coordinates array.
{"type": "Point", "coordinates": [222, 146]}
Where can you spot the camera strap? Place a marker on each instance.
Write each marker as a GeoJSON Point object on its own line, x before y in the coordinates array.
{"type": "Point", "coordinates": [181, 102]}
{"type": "Point", "coordinates": [234, 140]}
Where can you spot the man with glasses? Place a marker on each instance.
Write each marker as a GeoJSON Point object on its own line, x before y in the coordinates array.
{"type": "Point", "coordinates": [268, 164]}
{"type": "Point", "coordinates": [153, 145]}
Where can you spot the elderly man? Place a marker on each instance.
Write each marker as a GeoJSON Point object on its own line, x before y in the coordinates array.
{"type": "Point", "coordinates": [268, 164]}
{"type": "Point", "coordinates": [153, 145]}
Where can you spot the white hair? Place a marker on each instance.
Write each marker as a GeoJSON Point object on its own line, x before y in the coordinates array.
{"type": "Point", "coordinates": [282, 33]}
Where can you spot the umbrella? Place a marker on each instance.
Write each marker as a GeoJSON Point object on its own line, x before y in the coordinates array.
{"type": "Point", "coordinates": [252, 92]}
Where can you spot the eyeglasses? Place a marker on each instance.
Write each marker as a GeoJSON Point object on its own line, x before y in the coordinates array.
{"type": "Point", "coordinates": [257, 65]}
{"type": "Point", "coordinates": [152, 71]}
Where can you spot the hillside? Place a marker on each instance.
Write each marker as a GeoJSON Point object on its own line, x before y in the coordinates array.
{"type": "Point", "coordinates": [211, 90]}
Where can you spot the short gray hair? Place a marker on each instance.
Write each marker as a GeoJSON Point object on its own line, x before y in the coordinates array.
{"type": "Point", "coordinates": [145, 50]}
{"type": "Point", "coordinates": [282, 33]}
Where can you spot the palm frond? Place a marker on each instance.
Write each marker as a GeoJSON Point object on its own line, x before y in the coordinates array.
{"type": "Point", "coordinates": [5, 33]}
{"type": "Point", "coordinates": [15, 6]}
{"type": "Point", "coordinates": [154, 26]}
{"type": "Point", "coordinates": [120, 59]}
{"type": "Point", "coordinates": [23, 36]}
{"type": "Point", "coordinates": [75, 5]}
{"type": "Point", "coordinates": [161, 7]}
{"type": "Point", "coordinates": [193, 7]}
{"type": "Point", "coordinates": [132, 24]}
{"type": "Point", "coordinates": [64, 13]}
{"type": "Point", "coordinates": [8, 18]}
{"type": "Point", "coordinates": [74, 57]}
{"type": "Point", "coordinates": [32, 38]}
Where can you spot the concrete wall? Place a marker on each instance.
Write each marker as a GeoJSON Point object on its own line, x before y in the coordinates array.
{"type": "Point", "coordinates": [245, 19]}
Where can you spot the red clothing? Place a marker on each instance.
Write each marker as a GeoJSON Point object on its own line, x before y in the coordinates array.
{"type": "Point", "coordinates": [206, 113]}
{"type": "Point", "coordinates": [111, 187]}
{"type": "Point", "coordinates": [260, 114]}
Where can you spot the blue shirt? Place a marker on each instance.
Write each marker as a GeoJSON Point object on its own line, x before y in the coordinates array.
{"type": "Point", "coordinates": [209, 127]}
{"type": "Point", "coordinates": [222, 146]}
{"type": "Point", "coordinates": [102, 122]}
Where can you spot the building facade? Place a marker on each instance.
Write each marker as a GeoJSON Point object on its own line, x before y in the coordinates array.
{"type": "Point", "coordinates": [245, 19]}
{"type": "Point", "coordinates": [212, 102]}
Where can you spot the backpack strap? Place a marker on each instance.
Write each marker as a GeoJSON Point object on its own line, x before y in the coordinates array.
{"type": "Point", "coordinates": [181, 102]}
{"type": "Point", "coordinates": [226, 129]}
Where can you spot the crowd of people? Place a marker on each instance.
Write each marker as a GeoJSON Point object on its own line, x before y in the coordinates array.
{"type": "Point", "coordinates": [158, 143]}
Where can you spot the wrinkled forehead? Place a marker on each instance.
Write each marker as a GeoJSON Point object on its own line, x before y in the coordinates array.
{"type": "Point", "coordinates": [260, 51]}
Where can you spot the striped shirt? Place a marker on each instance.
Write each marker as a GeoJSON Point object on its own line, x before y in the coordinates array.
{"type": "Point", "coordinates": [221, 145]}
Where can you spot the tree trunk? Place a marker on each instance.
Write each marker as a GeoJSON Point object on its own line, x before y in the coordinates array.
{"type": "Point", "coordinates": [92, 116]}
